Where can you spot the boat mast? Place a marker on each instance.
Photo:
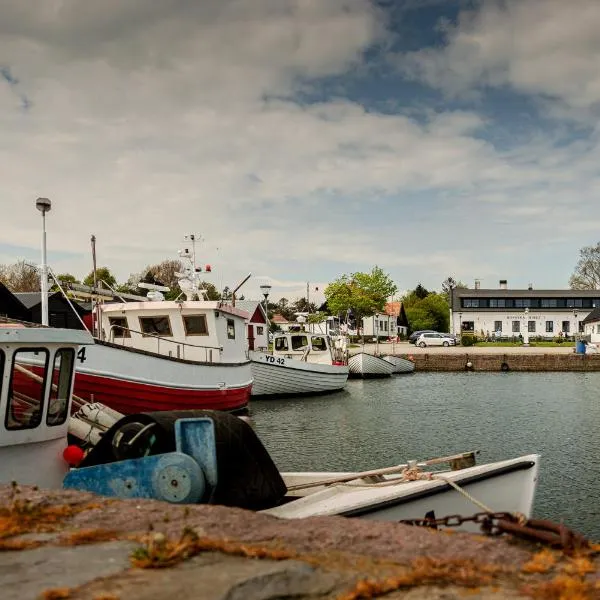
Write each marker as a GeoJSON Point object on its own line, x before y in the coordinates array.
{"type": "Point", "coordinates": [44, 205]}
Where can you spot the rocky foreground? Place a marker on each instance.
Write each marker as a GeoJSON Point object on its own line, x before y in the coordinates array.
{"type": "Point", "coordinates": [73, 545]}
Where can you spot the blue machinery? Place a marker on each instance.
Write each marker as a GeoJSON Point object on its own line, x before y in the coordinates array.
{"type": "Point", "coordinates": [184, 476]}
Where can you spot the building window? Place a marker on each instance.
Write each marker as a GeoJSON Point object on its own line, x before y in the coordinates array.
{"type": "Point", "coordinates": [598, 328]}
{"type": "Point", "coordinates": [62, 373]}
{"type": "Point", "coordinates": [531, 326]}
{"type": "Point", "coordinates": [25, 394]}
{"type": "Point", "coordinates": [497, 303]}
{"type": "Point", "coordinates": [566, 326]}
{"type": "Point", "coordinates": [549, 303]}
{"type": "Point", "coordinates": [231, 329]}
{"type": "Point", "coordinates": [549, 326]}
{"type": "Point", "coordinates": [118, 327]}
{"type": "Point", "coordinates": [468, 326]}
{"type": "Point", "coordinates": [159, 326]}
{"type": "Point", "coordinates": [195, 325]}
{"type": "Point", "coordinates": [498, 326]}
{"type": "Point", "coordinates": [471, 302]}
{"type": "Point", "coordinates": [516, 326]}
{"type": "Point", "coordinates": [260, 330]}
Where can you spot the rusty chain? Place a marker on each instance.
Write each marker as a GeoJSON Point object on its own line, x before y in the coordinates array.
{"type": "Point", "coordinates": [496, 523]}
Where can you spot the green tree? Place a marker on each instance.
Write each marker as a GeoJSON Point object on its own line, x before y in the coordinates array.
{"type": "Point", "coordinates": [363, 293]}
{"type": "Point", "coordinates": [587, 271]}
{"type": "Point", "coordinates": [428, 312]}
{"type": "Point", "coordinates": [64, 278]}
{"type": "Point", "coordinates": [102, 274]}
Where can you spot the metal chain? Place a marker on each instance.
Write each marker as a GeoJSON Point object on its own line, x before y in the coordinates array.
{"type": "Point", "coordinates": [497, 523]}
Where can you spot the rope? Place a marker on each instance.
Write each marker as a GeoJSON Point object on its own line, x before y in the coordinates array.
{"type": "Point", "coordinates": [464, 493]}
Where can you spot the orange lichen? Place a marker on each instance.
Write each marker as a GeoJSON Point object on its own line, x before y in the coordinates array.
{"type": "Point", "coordinates": [88, 536]}
{"type": "Point", "coordinates": [7, 545]}
{"type": "Point", "coordinates": [541, 562]}
{"type": "Point", "coordinates": [424, 571]}
{"type": "Point", "coordinates": [56, 594]}
{"type": "Point", "coordinates": [579, 566]}
{"type": "Point", "coordinates": [106, 597]}
{"type": "Point", "coordinates": [159, 552]}
{"type": "Point", "coordinates": [562, 587]}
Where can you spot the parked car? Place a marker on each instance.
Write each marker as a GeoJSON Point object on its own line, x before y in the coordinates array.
{"type": "Point", "coordinates": [433, 338]}
{"type": "Point", "coordinates": [412, 338]}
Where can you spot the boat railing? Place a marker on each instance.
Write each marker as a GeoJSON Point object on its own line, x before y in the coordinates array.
{"type": "Point", "coordinates": [179, 346]}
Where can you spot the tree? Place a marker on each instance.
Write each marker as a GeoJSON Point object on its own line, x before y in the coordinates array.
{"type": "Point", "coordinates": [450, 284]}
{"type": "Point", "coordinates": [64, 278]}
{"type": "Point", "coordinates": [362, 293]}
{"type": "Point", "coordinates": [429, 312]}
{"type": "Point", "coordinates": [421, 292]}
{"type": "Point", "coordinates": [587, 271]}
{"type": "Point", "coordinates": [20, 277]}
{"type": "Point", "coordinates": [102, 274]}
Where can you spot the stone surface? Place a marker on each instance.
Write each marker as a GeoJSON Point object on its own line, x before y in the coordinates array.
{"type": "Point", "coordinates": [242, 555]}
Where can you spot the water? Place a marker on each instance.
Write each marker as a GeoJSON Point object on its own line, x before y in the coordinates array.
{"type": "Point", "coordinates": [378, 423]}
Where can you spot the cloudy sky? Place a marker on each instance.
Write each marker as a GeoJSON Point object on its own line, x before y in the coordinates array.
{"type": "Point", "coordinates": [304, 139]}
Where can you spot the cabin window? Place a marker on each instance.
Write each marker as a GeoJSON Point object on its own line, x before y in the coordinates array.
{"type": "Point", "coordinates": [62, 373]}
{"type": "Point", "coordinates": [26, 391]}
{"type": "Point", "coordinates": [195, 325]}
{"type": "Point", "coordinates": [299, 342]}
{"type": "Point", "coordinates": [160, 326]}
{"type": "Point", "coordinates": [281, 344]}
{"type": "Point", "coordinates": [119, 327]}
{"type": "Point", "coordinates": [319, 344]}
{"type": "Point", "coordinates": [231, 329]}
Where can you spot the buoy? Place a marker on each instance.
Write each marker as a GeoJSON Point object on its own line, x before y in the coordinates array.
{"type": "Point", "coordinates": [73, 455]}
{"type": "Point", "coordinates": [504, 367]}
{"type": "Point", "coordinates": [469, 366]}
{"type": "Point", "coordinates": [208, 268]}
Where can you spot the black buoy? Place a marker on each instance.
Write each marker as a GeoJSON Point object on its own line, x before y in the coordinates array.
{"type": "Point", "coordinates": [504, 367]}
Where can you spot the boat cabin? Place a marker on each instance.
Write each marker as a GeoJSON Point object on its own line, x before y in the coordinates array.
{"type": "Point", "coordinates": [197, 330]}
{"type": "Point", "coordinates": [311, 347]}
{"type": "Point", "coordinates": [37, 368]}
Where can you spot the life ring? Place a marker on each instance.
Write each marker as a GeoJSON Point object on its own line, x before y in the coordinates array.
{"type": "Point", "coordinates": [504, 367]}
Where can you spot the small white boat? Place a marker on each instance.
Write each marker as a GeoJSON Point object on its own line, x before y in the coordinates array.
{"type": "Point", "coordinates": [401, 365]}
{"type": "Point", "coordinates": [367, 365]}
{"type": "Point", "coordinates": [301, 363]}
{"type": "Point", "coordinates": [37, 367]}
{"type": "Point", "coordinates": [391, 495]}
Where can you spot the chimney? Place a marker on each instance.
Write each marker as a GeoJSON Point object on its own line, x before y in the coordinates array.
{"type": "Point", "coordinates": [503, 284]}
{"type": "Point", "coordinates": [477, 284]}
{"type": "Point", "coordinates": [530, 286]}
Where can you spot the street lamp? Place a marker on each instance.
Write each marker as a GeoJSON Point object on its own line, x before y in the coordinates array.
{"type": "Point", "coordinates": [575, 327]}
{"type": "Point", "coordinates": [460, 323]}
{"type": "Point", "coordinates": [265, 288]}
{"type": "Point", "coordinates": [44, 205]}
{"type": "Point", "coordinates": [526, 336]}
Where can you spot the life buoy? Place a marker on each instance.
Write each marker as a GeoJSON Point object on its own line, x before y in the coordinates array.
{"type": "Point", "coordinates": [504, 367]}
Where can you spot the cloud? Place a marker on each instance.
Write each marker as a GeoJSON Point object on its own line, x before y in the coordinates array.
{"type": "Point", "coordinates": [549, 48]}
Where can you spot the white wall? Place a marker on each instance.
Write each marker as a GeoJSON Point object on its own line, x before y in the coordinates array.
{"type": "Point", "coordinates": [380, 325]}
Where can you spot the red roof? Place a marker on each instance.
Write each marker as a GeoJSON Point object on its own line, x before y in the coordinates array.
{"type": "Point", "coordinates": [277, 318]}
{"type": "Point", "coordinates": [393, 308]}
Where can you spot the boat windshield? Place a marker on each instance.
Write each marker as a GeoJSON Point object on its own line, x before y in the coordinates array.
{"type": "Point", "coordinates": [318, 344]}
{"type": "Point", "coordinates": [299, 342]}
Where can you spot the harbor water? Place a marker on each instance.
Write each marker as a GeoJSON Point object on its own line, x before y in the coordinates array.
{"type": "Point", "coordinates": [379, 423]}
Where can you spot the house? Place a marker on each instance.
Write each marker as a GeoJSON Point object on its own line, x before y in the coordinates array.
{"type": "Point", "coordinates": [503, 312]}
{"type": "Point", "coordinates": [60, 313]}
{"type": "Point", "coordinates": [591, 326]}
{"type": "Point", "coordinates": [257, 323]}
{"type": "Point", "coordinates": [11, 306]}
{"type": "Point", "coordinates": [396, 309]}
{"type": "Point", "coordinates": [380, 325]}
{"type": "Point", "coordinates": [281, 322]}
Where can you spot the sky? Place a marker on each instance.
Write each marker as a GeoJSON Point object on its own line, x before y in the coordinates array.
{"type": "Point", "coordinates": [304, 139]}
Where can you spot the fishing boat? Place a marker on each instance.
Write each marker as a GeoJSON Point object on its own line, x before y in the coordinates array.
{"type": "Point", "coordinates": [210, 457]}
{"type": "Point", "coordinates": [37, 366]}
{"type": "Point", "coordinates": [401, 365]}
{"type": "Point", "coordinates": [301, 363]}
{"type": "Point", "coordinates": [157, 354]}
{"type": "Point", "coordinates": [368, 366]}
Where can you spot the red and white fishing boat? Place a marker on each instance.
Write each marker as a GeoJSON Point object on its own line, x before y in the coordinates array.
{"type": "Point", "coordinates": [168, 355]}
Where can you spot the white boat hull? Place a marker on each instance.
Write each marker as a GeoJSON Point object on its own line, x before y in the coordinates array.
{"type": "Point", "coordinates": [367, 365]}
{"type": "Point", "coordinates": [279, 376]}
{"type": "Point", "coordinates": [505, 486]}
{"type": "Point", "coordinates": [401, 365]}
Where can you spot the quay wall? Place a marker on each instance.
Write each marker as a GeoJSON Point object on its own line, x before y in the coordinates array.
{"type": "Point", "coordinates": [465, 361]}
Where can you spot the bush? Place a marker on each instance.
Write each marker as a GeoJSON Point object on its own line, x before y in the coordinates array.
{"type": "Point", "coordinates": [468, 340]}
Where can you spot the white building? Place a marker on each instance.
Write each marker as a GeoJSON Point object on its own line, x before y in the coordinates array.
{"type": "Point", "coordinates": [591, 326]}
{"type": "Point", "coordinates": [503, 312]}
{"type": "Point", "coordinates": [380, 325]}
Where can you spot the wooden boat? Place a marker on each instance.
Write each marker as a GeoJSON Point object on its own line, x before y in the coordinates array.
{"type": "Point", "coordinates": [367, 365]}
{"type": "Point", "coordinates": [301, 363]}
{"type": "Point", "coordinates": [401, 365]}
{"type": "Point", "coordinates": [212, 457]}
{"type": "Point", "coordinates": [37, 365]}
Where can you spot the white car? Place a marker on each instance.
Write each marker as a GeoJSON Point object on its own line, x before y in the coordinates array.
{"type": "Point", "coordinates": [435, 339]}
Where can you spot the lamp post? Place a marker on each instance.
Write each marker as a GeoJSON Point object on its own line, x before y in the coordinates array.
{"type": "Point", "coordinates": [526, 336]}
{"type": "Point", "coordinates": [460, 323]}
{"type": "Point", "coordinates": [44, 205]}
{"type": "Point", "coordinates": [575, 327]}
{"type": "Point", "coordinates": [265, 288]}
